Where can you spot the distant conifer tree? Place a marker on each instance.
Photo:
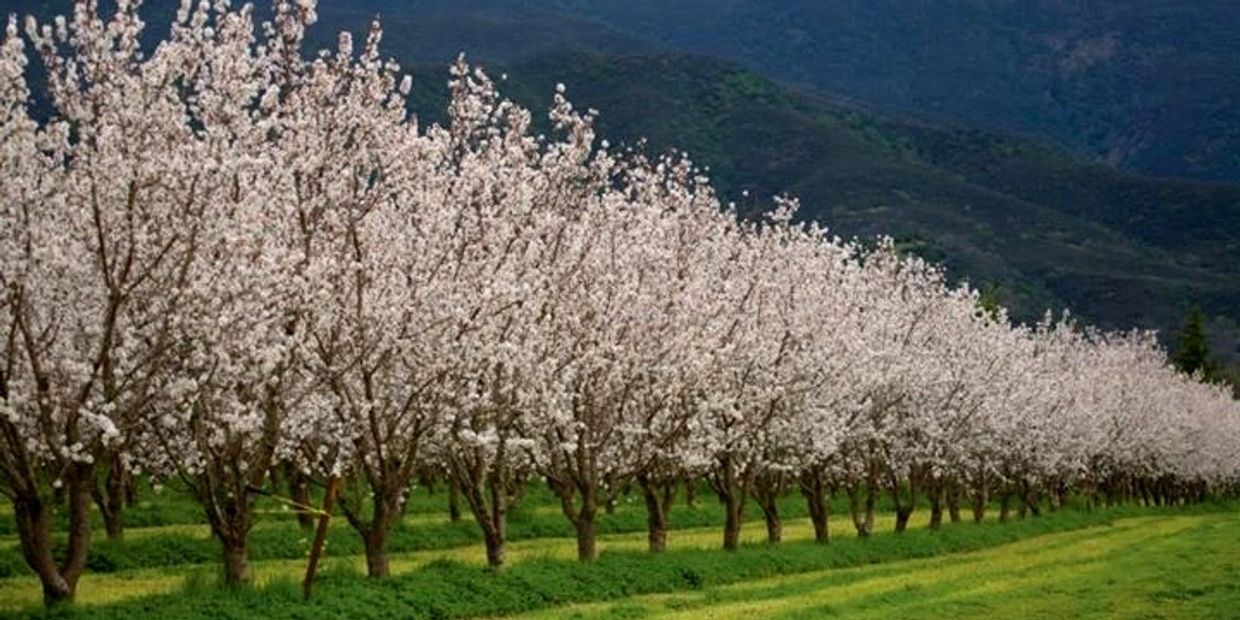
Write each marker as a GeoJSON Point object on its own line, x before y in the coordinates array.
{"type": "Point", "coordinates": [1193, 347]}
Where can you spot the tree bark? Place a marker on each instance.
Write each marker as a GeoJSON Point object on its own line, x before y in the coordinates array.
{"type": "Point", "coordinates": [34, 528]}
{"type": "Point", "coordinates": [734, 508]}
{"type": "Point", "coordinates": [131, 493]}
{"type": "Point", "coordinates": [774, 527]}
{"type": "Point", "coordinates": [582, 518]}
{"type": "Point", "coordinates": [299, 491]}
{"type": "Point", "coordinates": [587, 550]}
{"type": "Point", "coordinates": [454, 500]}
{"type": "Point", "coordinates": [815, 493]}
{"type": "Point", "coordinates": [903, 515]}
{"type": "Point", "coordinates": [230, 516]}
{"type": "Point", "coordinates": [904, 510]}
{"type": "Point", "coordinates": [236, 561]}
{"type": "Point", "coordinates": [496, 551]}
{"type": "Point", "coordinates": [492, 517]}
{"type": "Point", "coordinates": [981, 499]}
{"type": "Point", "coordinates": [936, 505]}
{"type": "Point", "coordinates": [374, 530]}
{"type": "Point", "coordinates": [1005, 506]}
{"type": "Point", "coordinates": [377, 566]}
{"type": "Point", "coordinates": [375, 538]}
{"type": "Point", "coordinates": [731, 488]}
{"type": "Point", "coordinates": [1032, 500]}
{"type": "Point", "coordinates": [862, 516]}
{"type": "Point", "coordinates": [767, 489]}
{"type": "Point", "coordinates": [111, 500]}
{"type": "Point", "coordinates": [659, 497]}
{"type": "Point", "coordinates": [35, 533]}
{"type": "Point", "coordinates": [953, 501]}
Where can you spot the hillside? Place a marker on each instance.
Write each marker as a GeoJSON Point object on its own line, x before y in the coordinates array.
{"type": "Point", "coordinates": [1146, 86]}
{"type": "Point", "coordinates": [1150, 86]}
{"type": "Point", "coordinates": [1033, 223]}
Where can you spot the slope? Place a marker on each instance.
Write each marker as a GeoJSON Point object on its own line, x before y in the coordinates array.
{"type": "Point", "coordinates": [1040, 225]}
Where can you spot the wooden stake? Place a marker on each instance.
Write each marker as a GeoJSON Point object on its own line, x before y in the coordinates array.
{"type": "Point", "coordinates": [320, 536]}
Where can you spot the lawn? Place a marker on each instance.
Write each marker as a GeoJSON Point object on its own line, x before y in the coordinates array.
{"type": "Point", "coordinates": [1145, 567]}
{"type": "Point", "coordinates": [1127, 562]}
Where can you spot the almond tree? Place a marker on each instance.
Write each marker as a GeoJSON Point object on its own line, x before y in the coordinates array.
{"type": "Point", "coordinates": [234, 376]}
{"type": "Point", "coordinates": [93, 258]}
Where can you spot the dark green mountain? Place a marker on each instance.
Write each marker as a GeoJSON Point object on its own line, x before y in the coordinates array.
{"type": "Point", "coordinates": [1150, 86]}
{"type": "Point", "coordinates": [1035, 223]}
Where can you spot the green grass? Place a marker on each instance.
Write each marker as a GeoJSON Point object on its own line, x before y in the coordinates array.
{"type": "Point", "coordinates": [118, 585]}
{"type": "Point", "coordinates": [426, 527]}
{"type": "Point", "coordinates": [877, 576]}
{"type": "Point", "coordinates": [168, 567]}
{"type": "Point", "coordinates": [1151, 567]}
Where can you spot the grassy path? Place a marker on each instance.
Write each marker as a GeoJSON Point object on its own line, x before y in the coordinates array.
{"type": "Point", "coordinates": [1152, 567]}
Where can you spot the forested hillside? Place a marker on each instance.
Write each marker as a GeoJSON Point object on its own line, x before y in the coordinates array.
{"type": "Point", "coordinates": [1034, 224]}
{"type": "Point", "coordinates": [1149, 86]}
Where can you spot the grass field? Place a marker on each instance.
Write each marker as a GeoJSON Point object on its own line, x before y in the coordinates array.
{"type": "Point", "coordinates": [1126, 563]}
{"type": "Point", "coordinates": [1144, 567]}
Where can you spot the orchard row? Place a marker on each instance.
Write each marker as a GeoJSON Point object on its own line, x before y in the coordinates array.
{"type": "Point", "coordinates": [221, 257]}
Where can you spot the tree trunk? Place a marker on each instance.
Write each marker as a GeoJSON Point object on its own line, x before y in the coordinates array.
{"type": "Point", "coordinates": [33, 521]}
{"type": "Point", "coordinates": [111, 501]}
{"type": "Point", "coordinates": [586, 543]}
{"type": "Point", "coordinates": [732, 523]}
{"type": "Point", "coordinates": [1033, 500]}
{"type": "Point", "coordinates": [230, 517]}
{"type": "Point", "coordinates": [496, 529]}
{"type": "Point", "coordinates": [815, 493]}
{"type": "Point", "coordinates": [658, 500]}
{"type": "Point", "coordinates": [691, 491]}
{"type": "Point", "coordinates": [454, 499]}
{"type": "Point", "coordinates": [299, 491]}
{"type": "Point", "coordinates": [477, 485]}
{"type": "Point", "coordinates": [731, 487]}
{"type": "Point", "coordinates": [871, 502]}
{"type": "Point", "coordinates": [903, 515]}
{"type": "Point", "coordinates": [904, 511]}
{"type": "Point", "coordinates": [131, 493]}
{"type": "Point", "coordinates": [862, 515]}
{"type": "Point", "coordinates": [377, 566]}
{"type": "Point", "coordinates": [774, 527]}
{"type": "Point", "coordinates": [1005, 506]}
{"type": "Point", "coordinates": [374, 531]}
{"type": "Point", "coordinates": [981, 499]}
{"type": "Point", "coordinates": [375, 537]}
{"type": "Point", "coordinates": [57, 592]}
{"type": "Point", "coordinates": [236, 562]}
{"type": "Point", "coordinates": [582, 518]}
{"type": "Point", "coordinates": [953, 501]}
{"type": "Point", "coordinates": [936, 505]}
{"type": "Point", "coordinates": [495, 548]}
{"type": "Point", "coordinates": [767, 489]}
